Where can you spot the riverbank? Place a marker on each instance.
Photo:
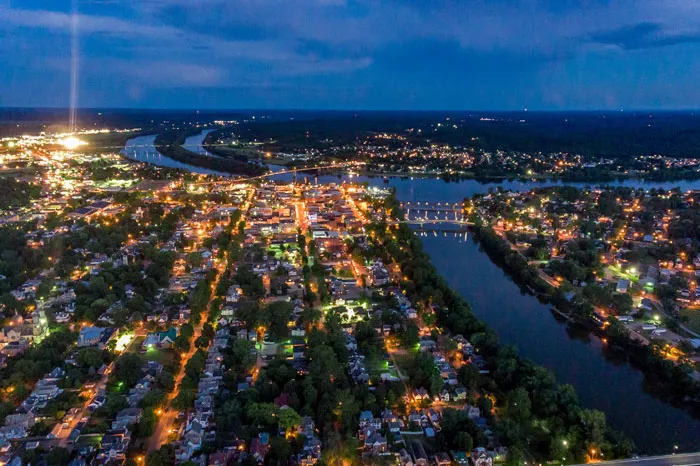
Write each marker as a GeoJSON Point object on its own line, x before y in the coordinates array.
{"type": "Point", "coordinates": [673, 382]}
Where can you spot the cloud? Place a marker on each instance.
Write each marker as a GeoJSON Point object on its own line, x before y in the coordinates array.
{"type": "Point", "coordinates": [645, 35]}
{"type": "Point", "coordinates": [405, 48]}
{"type": "Point", "coordinates": [172, 74]}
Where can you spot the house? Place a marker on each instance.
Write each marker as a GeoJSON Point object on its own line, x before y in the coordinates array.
{"type": "Point", "coordinates": [480, 457]}
{"type": "Point", "coordinates": [460, 394]}
{"type": "Point", "coordinates": [442, 459]}
{"type": "Point", "coordinates": [375, 443]}
{"type": "Point", "coordinates": [166, 339]}
{"type": "Point", "coordinates": [259, 446]}
{"type": "Point", "coordinates": [473, 412]}
{"type": "Point", "coordinates": [15, 348]}
{"type": "Point", "coordinates": [114, 445]}
{"type": "Point", "coordinates": [311, 452]}
{"type": "Point", "coordinates": [221, 457]}
{"type": "Point", "coordinates": [445, 395]}
{"type": "Point", "coordinates": [192, 439]}
{"type": "Point", "coordinates": [21, 420]}
{"type": "Point", "coordinates": [95, 336]}
{"type": "Point", "coordinates": [12, 432]}
{"type": "Point", "coordinates": [421, 458]}
{"type": "Point", "coordinates": [405, 459]}
{"type": "Point", "coordinates": [77, 462]}
{"type": "Point", "coordinates": [434, 417]}
{"type": "Point", "coordinates": [89, 336]}
{"type": "Point", "coordinates": [395, 426]}
{"type": "Point", "coordinates": [159, 339]}
{"type": "Point", "coordinates": [622, 286]}
{"type": "Point", "coordinates": [127, 417]}
{"type": "Point", "coordinates": [426, 344]}
{"type": "Point", "coordinates": [421, 394]}
{"type": "Point", "coordinates": [365, 419]}
{"type": "Point", "coordinates": [460, 457]}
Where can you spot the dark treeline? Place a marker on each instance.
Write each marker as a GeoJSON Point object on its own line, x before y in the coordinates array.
{"type": "Point", "coordinates": [612, 135]}
{"type": "Point", "coordinates": [14, 193]}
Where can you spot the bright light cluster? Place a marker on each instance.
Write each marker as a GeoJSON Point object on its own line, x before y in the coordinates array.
{"type": "Point", "coordinates": [72, 143]}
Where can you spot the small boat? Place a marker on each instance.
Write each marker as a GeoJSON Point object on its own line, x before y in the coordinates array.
{"type": "Point", "coordinates": [386, 179]}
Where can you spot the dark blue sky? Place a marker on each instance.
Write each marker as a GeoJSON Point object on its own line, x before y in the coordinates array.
{"type": "Point", "coordinates": [355, 54]}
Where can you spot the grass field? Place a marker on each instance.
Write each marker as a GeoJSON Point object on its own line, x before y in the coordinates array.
{"type": "Point", "coordinates": [691, 318]}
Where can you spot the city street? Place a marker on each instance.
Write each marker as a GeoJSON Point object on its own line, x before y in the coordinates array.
{"type": "Point", "coordinates": [63, 435]}
{"type": "Point", "coordinates": [683, 459]}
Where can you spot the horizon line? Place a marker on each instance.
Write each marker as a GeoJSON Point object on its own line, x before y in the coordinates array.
{"type": "Point", "coordinates": [282, 109]}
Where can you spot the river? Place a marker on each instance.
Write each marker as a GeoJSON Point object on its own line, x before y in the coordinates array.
{"type": "Point", "coordinates": [603, 380]}
{"type": "Point", "coordinates": [195, 143]}
{"type": "Point", "coordinates": [143, 149]}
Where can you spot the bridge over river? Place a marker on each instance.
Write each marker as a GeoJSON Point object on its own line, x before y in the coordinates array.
{"type": "Point", "coordinates": [425, 206]}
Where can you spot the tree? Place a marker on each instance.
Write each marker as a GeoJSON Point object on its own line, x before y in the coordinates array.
{"type": "Point", "coordinates": [276, 315]}
{"type": "Point", "coordinates": [58, 456]}
{"type": "Point", "coordinates": [187, 331]}
{"type": "Point", "coordinates": [324, 368]}
{"type": "Point", "coordinates": [165, 381]}
{"type": "Point", "coordinates": [518, 405]}
{"type": "Point", "coordinates": [240, 355]}
{"type": "Point", "coordinates": [183, 400]}
{"type": "Point", "coordinates": [347, 410]}
{"type": "Point", "coordinates": [464, 441]}
{"type": "Point", "coordinates": [410, 337]}
{"type": "Point", "coordinates": [288, 419]}
{"type": "Point", "coordinates": [127, 370]}
{"type": "Point", "coordinates": [182, 343]}
{"type": "Point", "coordinates": [147, 424]}
{"type": "Point", "coordinates": [208, 331]}
{"type": "Point", "coordinates": [593, 425]}
{"type": "Point", "coordinates": [280, 451]}
{"type": "Point", "coordinates": [201, 342]}
{"type": "Point", "coordinates": [515, 456]}
{"type": "Point", "coordinates": [89, 357]}
{"type": "Point", "coordinates": [165, 456]}
{"type": "Point", "coordinates": [195, 259]}
{"type": "Point", "coordinates": [485, 405]}
{"type": "Point", "coordinates": [261, 414]}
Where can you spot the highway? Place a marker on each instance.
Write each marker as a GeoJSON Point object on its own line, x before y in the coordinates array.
{"type": "Point", "coordinates": [681, 459]}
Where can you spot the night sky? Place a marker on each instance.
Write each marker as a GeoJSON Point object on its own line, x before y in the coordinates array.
{"type": "Point", "coordinates": [355, 54]}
